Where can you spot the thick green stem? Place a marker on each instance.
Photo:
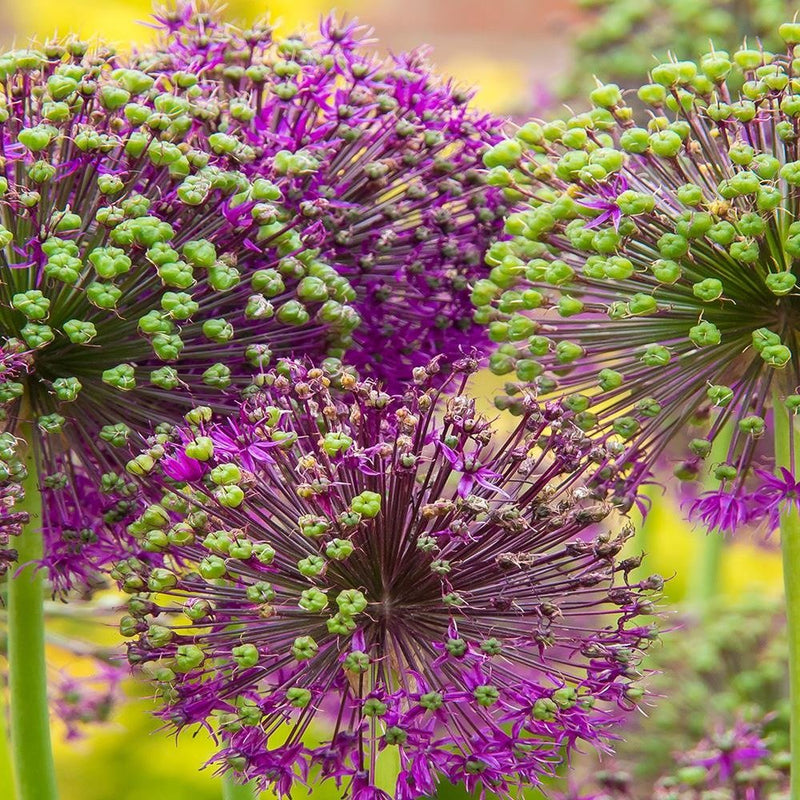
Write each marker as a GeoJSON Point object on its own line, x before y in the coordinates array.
{"type": "Point", "coordinates": [704, 578]}
{"type": "Point", "coordinates": [231, 790]}
{"type": "Point", "coordinates": [31, 753]}
{"type": "Point", "coordinates": [785, 433]}
{"type": "Point", "coordinates": [6, 772]}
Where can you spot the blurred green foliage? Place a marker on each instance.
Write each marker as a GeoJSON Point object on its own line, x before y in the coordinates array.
{"type": "Point", "coordinates": [623, 39]}
{"type": "Point", "coordinates": [731, 666]}
{"type": "Point", "coordinates": [709, 677]}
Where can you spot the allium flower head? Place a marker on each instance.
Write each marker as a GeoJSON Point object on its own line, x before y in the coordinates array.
{"type": "Point", "coordinates": [380, 159]}
{"type": "Point", "coordinates": [140, 264]}
{"type": "Point", "coordinates": [741, 757]}
{"type": "Point", "coordinates": [325, 556]}
{"type": "Point", "coordinates": [739, 762]}
{"type": "Point", "coordinates": [81, 701]}
{"type": "Point", "coordinates": [660, 260]}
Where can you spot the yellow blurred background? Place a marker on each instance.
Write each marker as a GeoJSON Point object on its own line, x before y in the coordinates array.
{"type": "Point", "coordinates": [512, 53]}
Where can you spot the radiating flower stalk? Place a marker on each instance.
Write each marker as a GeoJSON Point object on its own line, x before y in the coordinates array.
{"type": "Point", "coordinates": [392, 565]}
{"type": "Point", "coordinates": [662, 262]}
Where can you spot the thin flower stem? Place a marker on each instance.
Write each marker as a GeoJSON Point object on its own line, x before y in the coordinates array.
{"type": "Point", "coordinates": [704, 579]}
{"type": "Point", "coordinates": [645, 526]}
{"type": "Point", "coordinates": [785, 433]}
{"type": "Point", "coordinates": [31, 753]}
{"type": "Point", "coordinates": [231, 790]}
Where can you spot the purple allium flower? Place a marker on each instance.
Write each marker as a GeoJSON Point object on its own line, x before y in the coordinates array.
{"type": "Point", "coordinates": [87, 700]}
{"type": "Point", "coordinates": [651, 272]}
{"type": "Point", "coordinates": [721, 511]}
{"type": "Point", "coordinates": [84, 678]}
{"type": "Point", "coordinates": [726, 753]}
{"type": "Point", "coordinates": [775, 494]}
{"type": "Point", "coordinates": [343, 571]}
{"type": "Point", "coordinates": [379, 158]}
{"type": "Point", "coordinates": [605, 201]}
{"type": "Point", "coordinates": [740, 757]}
{"type": "Point", "coordinates": [741, 762]}
{"type": "Point", "coordinates": [143, 271]}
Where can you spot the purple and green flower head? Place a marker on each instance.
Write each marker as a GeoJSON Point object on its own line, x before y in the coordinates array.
{"type": "Point", "coordinates": [650, 271]}
{"type": "Point", "coordinates": [345, 571]}
{"type": "Point", "coordinates": [741, 760]}
{"type": "Point", "coordinates": [379, 157]}
{"type": "Point", "coordinates": [142, 270]}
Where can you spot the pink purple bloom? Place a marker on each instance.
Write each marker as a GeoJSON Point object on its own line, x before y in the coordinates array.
{"type": "Point", "coordinates": [740, 762]}
{"type": "Point", "coordinates": [739, 759]}
{"type": "Point", "coordinates": [379, 158]}
{"type": "Point", "coordinates": [147, 265]}
{"type": "Point", "coordinates": [721, 511]}
{"type": "Point", "coordinates": [775, 494]}
{"type": "Point", "coordinates": [340, 590]}
{"type": "Point", "coordinates": [79, 702]}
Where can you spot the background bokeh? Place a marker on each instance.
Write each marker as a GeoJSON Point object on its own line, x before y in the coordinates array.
{"type": "Point", "coordinates": [519, 55]}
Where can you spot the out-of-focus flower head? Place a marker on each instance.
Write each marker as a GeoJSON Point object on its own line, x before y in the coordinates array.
{"type": "Point", "coordinates": [740, 761]}
{"type": "Point", "coordinates": [724, 758]}
{"type": "Point", "coordinates": [82, 701]}
{"type": "Point", "coordinates": [393, 564]}
{"type": "Point", "coordinates": [651, 272]}
{"type": "Point", "coordinates": [379, 157]}
{"type": "Point", "coordinates": [724, 674]}
{"type": "Point", "coordinates": [84, 678]}
{"type": "Point", "coordinates": [141, 271]}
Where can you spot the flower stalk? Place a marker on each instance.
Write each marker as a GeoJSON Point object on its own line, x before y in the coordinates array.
{"type": "Point", "coordinates": [231, 790]}
{"type": "Point", "coordinates": [31, 752]}
{"type": "Point", "coordinates": [786, 437]}
{"type": "Point", "coordinates": [704, 584]}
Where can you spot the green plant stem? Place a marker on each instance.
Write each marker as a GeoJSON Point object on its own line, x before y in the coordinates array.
{"type": "Point", "coordinates": [6, 771]}
{"type": "Point", "coordinates": [31, 753]}
{"type": "Point", "coordinates": [786, 434]}
{"type": "Point", "coordinates": [231, 790]}
{"type": "Point", "coordinates": [704, 579]}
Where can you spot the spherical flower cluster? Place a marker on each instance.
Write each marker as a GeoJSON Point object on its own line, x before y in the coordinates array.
{"type": "Point", "coordinates": [380, 159]}
{"type": "Point", "coordinates": [142, 270]}
{"type": "Point", "coordinates": [394, 565]}
{"type": "Point", "coordinates": [651, 271]}
{"type": "Point", "coordinates": [739, 758]}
